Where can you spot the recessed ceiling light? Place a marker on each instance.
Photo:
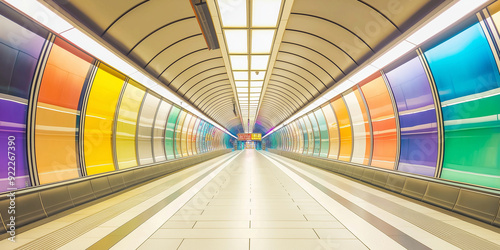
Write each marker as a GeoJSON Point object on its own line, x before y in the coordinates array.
{"type": "Point", "coordinates": [256, 84]}
{"type": "Point", "coordinates": [265, 13]}
{"type": "Point", "coordinates": [259, 62]}
{"type": "Point", "coordinates": [262, 41]}
{"type": "Point", "coordinates": [240, 75]}
{"type": "Point", "coordinates": [241, 84]}
{"type": "Point", "coordinates": [233, 13]}
{"type": "Point", "coordinates": [236, 41]}
{"type": "Point", "coordinates": [239, 62]}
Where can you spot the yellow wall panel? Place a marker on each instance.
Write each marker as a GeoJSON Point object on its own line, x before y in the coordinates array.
{"type": "Point", "coordinates": [185, 127]}
{"type": "Point", "coordinates": [99, 117]}
{"type": "Point", "coordinates": [127, 124]}
{"type": "Point", "coordinates": [178, 134]}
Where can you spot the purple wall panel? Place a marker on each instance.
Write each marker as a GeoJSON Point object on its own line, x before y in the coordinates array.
{"type": "Point", "coordinates": [13, 123]}
{"type": "Point", "coordinates": [19, 52]}
{"type": "Point", "coordinates": [417, 117]}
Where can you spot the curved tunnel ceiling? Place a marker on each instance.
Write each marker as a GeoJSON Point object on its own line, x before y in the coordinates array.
{"type": "Point", "coordinates": [324, 41]}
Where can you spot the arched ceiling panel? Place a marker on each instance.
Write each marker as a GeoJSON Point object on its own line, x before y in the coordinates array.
{"type": "Point", "coordinates": [145, 18]}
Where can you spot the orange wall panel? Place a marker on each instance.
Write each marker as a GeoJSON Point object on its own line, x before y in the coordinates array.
{"type": "Point", "coordinates": [57, 113]}
{"type": "Point", "coordinates": [345, 129]}
{"type": "Point", "coordinates": [383, 122]}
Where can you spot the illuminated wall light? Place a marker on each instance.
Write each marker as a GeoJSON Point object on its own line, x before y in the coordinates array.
{"type": "Point", "coordinates": [259, 62]}
{"type": "Point", "coordinates": [42, 14]}
{"type": "Point", "coordinates": [239, 62]}
{"type": "Point", "coordinates": [393, 54]}
{"type": "Point", "coordinates": [444, 20]}
{"type": "Point", "coordinates": [363, 74]}
{"type": "Point", "coordinates": [265, 13]}
{"type": "Point", "coordinates": [262, 41]}
{"type": "Point", "coordinates": [236, 41]}
{"type": "Point", "coordinates": [97, 50]}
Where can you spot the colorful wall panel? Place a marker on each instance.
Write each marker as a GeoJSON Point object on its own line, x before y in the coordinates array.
{"type": "Point", "coordinates": [470, 100]}
{"type": "Point", "coordinates": [316, 134]}
{"type": "Point", "coordinates": [126, 125]}
{"type": "Point", "coordinates": [189, 139]}
{"type": "Point", "coordinates": [385, 144]}
{"type": "Point", "coordinates": [185, 128]}
{"type": "Point", "coordinates": [178, 133]}
{"type": "Point", "coordinates": [160, 126]}
{"type": "Point", "coordinates": [333, 131]}
{"type": "Point", "coordinates": [99, 119]}
{"type": "Point", "coordinates": [361, 132]}
{"type": "Point", "coordinates": [146, 129]}
{"type": "Point", "coordinates": [323, 129]}
{"type": "Point", "coordinates": [170, 132]}
{"type": "Point", "coordinates": [195, 136]}
{"type": "Point", "coordinates": [344, 122]}
{"type": "Point", "coordinates": [18, 60]}
{"type": "Point", "coordinates": [57, 112]}
{"type": "Point", "coordinates": [417, 117]}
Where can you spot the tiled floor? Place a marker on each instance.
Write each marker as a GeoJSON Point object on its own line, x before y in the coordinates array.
{"type": "Point", "coordinates": [253, 201]}
{"type": "Point", "coordinates": [256, 200]}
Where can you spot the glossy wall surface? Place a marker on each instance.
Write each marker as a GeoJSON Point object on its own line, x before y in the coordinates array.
{"type": "Point", "coordinates": [79, 116]}
{"type": "Point", "coordinates": [470, 103]}
{"type": "Point", "coordinates": [18, 60]}
{"type": "Point", "coordinates": [58, 110]}
{"type": "Point", "coordinates": [433, 112]}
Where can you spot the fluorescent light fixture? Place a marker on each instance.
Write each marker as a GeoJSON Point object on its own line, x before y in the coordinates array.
{"type": "Point", "coordinates": [236, 41]}
{"type": "Point", "coordinates": [393, 54]}
{"type": "Point", "coordinates": [257, 75]}
{"type": "Point", "coordinates": [239, 62]}
{"type": "Point", "coordinates": [233, 13]}
{"type": "Point", "coordinates": [255, 90]}
{"type": "Point", "coordinates": [262, 41]}
{"type": "Point", "coordinates": [42, 14]}
{"type": "Point", "coordinates": [242, 90]}
{"type": "Point", "coordinates": [444, 20]}
{"type": "Point", "coordinates": [254, 84]}
{"type": "Point", "coordinates": [363, 74]}
{"type": "Point", "coordinates": [97, 50]}
{"type": "Point", "coordinates": [265, 13]}
{"type": "Point", "coordinates": [241, 84]}
{"type": "Point", "coordinates": [240, 75]}
{"type": "Point", "coordinates": [259, 62]}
